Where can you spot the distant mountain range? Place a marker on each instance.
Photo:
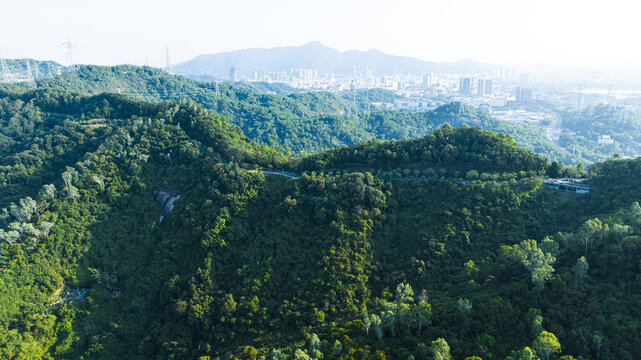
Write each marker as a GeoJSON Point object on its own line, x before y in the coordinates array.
{"type": "Point", "coordinates": [318, 56]}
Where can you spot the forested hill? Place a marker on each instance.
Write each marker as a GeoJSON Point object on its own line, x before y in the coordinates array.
{"type": "Point", "coordinates": [43, 130]}
{"type": "Point", "coordinates": [142, 230]}
{"type": "Point", "coordinates": [301, 122]}
{"type": "Point", "coordinates": [583, 130]}
{"type": "Point", "coordinates": [271, 119]}
{"type": "Point", "coordinates": [464, 147]}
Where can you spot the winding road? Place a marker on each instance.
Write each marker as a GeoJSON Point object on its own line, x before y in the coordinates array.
{"type": "Point", "coordinates": [277, 173]}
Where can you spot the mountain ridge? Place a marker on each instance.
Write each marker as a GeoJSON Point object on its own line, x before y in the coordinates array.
{"type": "Point", "coordinates": [315, 55]}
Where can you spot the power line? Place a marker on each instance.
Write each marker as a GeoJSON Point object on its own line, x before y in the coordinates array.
{"type": "Point", "coordinates": [69, 46]}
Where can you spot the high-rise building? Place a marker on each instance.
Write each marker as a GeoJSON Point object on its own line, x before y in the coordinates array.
{"type": "Point", "coordinates": [523, 95]}
{"type": "Point", "coordinates": [427, 80]}
{"type": "Point", "coordinates": [232, 74]}
{"type": "Point", "coordinates": [465, 85]}
{"type": "Point", "coordinates": [480, 87]}
{"type": "Point", "coordinates": [488, 87]}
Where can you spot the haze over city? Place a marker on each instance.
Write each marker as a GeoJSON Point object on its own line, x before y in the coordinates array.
{"type": "Point", "coordinates": [516, 33]}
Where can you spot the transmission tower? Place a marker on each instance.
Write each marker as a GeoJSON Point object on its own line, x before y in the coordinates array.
{"type": "Point", "coordinates": [217, 90]}
{"type": "Point", "coordinates": [6, 74]}
{"type": "Point", "coordinates": [30, 78]}
{"type": "Point", "coordinates": [36, 70]}
{"type": "Point", "coordinates": [167, 62]}
{"type": "Point", "coordinates": [69, 46]}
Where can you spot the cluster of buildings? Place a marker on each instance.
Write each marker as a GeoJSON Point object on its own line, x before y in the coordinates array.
{"type": "Point", "coordinates": [523, 95]}
{"type": "Point", "coordinates": [418, 92]}
{"type": "Point", "coordinates": [472, 86]}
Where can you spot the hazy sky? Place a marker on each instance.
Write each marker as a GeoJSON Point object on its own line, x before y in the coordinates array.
{"type": "Point", "coordinates": [566, 32]}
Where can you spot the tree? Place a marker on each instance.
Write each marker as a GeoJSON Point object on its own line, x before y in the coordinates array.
{"type": "Point", "coordinates": [404, 294]}
{"type": "Point", "coordinates": [389, 318]}
{"type": "Point", "coordinates": [301, 355]}
{"type": "Point", "coordinates": [580, 269]}
{"type": "Point", "coordinates": [548, 245]}
{"type": "Point", "coordinates": [536, 317]}
{"type": "Point", "coordinates": [24, 210]}
{"type": "Point", "coordinates": [314, 342]}
{"type": "Point", "coordinates": [580, 170]}
{"type": "Point", "coordinates": [587, 234]}
{"type": "Point", "coordinates": [67, 176]}
{"type": "Point", "coordinates": [228, 306]}
{"type": "Point", "coordinates": [337, 348]}
{"type": "Point", "coordinates": [29, 229]}
{"type": "Point", "coordinates": [547, 344]}
{"type": "Point", "coordinates": [377, 324]}
{"type": "Point", "coordinates": [635, 216]}
{"type": "Point", "coordinates": [367, 323]}
{"type": "Point", "coordinates": [471, 269]}
{"type": "Point", "coordinates": [423, 314]}
{"type": "Point", "coordinates": [72, 193]}
{"type": "Point", "coordinates": [50, 191]}
{"type": "Point", "coordinates": [464, 307]}
{"type": "Point", "coordinates": [249, 353]}
{"type": "Point", "coordinates": [10, 237]}
{"type": "Point", "coordinates": [277, 354]}
{"type": "Point", "coordinates": [440, 350]}
{"type": "Point", "coordinates": [597, 341]}
{"type": "Point", "coordinates": [4, 217]}
{"type": "Point", "coordinates": [525, 354]}
{"type": "Point", "coordinates": [538, 263]}
{"type": "Point", "coordinates": [619, 232]}
{"type": "Point", "coordinates": [556, 169]}
{"type": "Point", "coordinates": [98, 180]}
{"type": "Point", "coordinates": [45, 226]}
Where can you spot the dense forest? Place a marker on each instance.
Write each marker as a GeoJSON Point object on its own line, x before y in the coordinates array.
{"type": "Point", "coordinates": [299, 122]}
{"type": "Point", "coordinates": [147, 230]}
{"type": "Point", "coordinates": [583, 129]}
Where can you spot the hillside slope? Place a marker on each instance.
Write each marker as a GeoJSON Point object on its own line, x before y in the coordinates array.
{"type": "Point", "coordinates": [302, 122]}
{"type": "Point", "coordinates": [366, 256]}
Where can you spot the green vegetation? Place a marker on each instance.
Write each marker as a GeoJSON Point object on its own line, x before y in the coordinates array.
{"type": "Point", "coordinates": [582, 131]}
{"type": "Point", "coordinates": [446, 246]}
{"type": "Point", "coordinates": [300, 122]}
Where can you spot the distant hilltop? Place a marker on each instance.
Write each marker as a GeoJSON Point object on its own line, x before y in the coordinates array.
{"type": "Point", "coordinates": [321, 58]}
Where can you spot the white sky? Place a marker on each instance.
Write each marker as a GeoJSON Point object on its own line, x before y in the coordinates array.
{"type": "Point", "coordinates": [512, 32]}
